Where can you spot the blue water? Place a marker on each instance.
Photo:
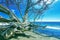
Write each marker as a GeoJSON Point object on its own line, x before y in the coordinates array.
{"type": "Point", "coordinates": [50, 32]}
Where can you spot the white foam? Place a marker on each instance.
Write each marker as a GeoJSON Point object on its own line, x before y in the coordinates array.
{"type": "Point", "coordinates": [50, 27]}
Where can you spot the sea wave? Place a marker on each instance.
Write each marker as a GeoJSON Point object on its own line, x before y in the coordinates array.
{"type": "Point", "coordinates": [53, 27]}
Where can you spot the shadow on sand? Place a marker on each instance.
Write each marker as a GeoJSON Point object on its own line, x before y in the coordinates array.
{"type": "Point", "coordinates": [21, 35]}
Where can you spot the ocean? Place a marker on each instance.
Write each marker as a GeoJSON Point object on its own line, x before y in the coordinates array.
{"type": "Point", "coordinates": [52, 29]}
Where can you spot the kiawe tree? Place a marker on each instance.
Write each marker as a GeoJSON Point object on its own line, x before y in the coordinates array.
{"type": "Point", "coordinates": [29, 10]}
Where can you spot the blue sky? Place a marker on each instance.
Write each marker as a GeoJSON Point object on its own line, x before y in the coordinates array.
{"type": "Point", "coordinates": [52, 14]}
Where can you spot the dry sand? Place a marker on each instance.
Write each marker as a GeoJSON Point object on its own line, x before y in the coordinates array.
{"type": "Point", "coordinates": [34, 37]}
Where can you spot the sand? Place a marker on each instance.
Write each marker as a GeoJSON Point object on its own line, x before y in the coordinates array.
{"type": "Point", "coordinates": [34, 37]}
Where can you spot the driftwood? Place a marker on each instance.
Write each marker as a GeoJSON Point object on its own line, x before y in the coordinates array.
{"type": "Point", "coordinates": [23, 24]}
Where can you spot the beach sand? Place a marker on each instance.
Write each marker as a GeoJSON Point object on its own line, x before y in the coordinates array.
{"type": "Point", "coordinates": [34, 37]}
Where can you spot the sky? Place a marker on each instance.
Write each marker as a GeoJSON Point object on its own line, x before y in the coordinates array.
{"type": "Point", "coordinates": [53, 13]}
{"type": "Point", "coordinates": [50, 15]}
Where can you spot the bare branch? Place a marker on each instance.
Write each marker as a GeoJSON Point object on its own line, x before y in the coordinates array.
{"type": "Point", "coordinates": [5, 10]}
{"type": "Point", "coordinates": [29, 5]}
{"type": "Point", "coordinates": [41, 10]}
{"type": "Point", "coordinates": [18, 7]}
{"type": "Point", "coordinates": [35, 3]}
{"type": "Point", "coordinates": [3, 19]}
{"type": "Point", "coordinates": [8, 12]}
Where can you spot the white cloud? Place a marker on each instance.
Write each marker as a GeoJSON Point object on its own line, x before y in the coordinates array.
{"type": "Point", "coordinates": [56, 0]}
{"type": "Point", "coordinates": [34, 1]}
{"type": "Point", "coordinates": [49, 1]}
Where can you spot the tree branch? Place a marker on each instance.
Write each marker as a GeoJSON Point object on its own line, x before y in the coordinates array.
{"type": "Point", "coordinates": [18, 7]}
{"type": "Point", "coordinates": [29, 5]}
{"type": "Point", "coordinates": [8, 12]}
